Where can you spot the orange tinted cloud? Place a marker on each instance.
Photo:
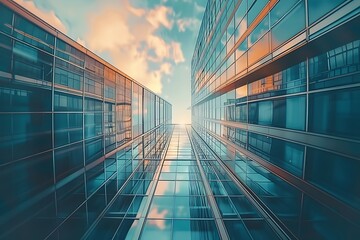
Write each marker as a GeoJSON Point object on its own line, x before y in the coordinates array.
{"type": "Point", "coordinates": [128, 35]}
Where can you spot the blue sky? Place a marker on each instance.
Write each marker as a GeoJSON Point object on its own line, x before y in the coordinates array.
{"type": "Point", "coordinates": [152, 41]}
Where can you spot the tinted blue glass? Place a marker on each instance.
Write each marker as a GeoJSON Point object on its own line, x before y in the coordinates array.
{"type": "Point", "coordinates": [32, 63]}
{"type": "Point", "coordinates": [31, 134]}
{"type": "Point", "coordinates": [33, 176]}
{"type": "Point", "coordinates": [68, 75]}
{"type": "Point", "coordinates": [70, 196]}
{"type": "Point", "coordinates": [68, 128]}
{"type": "Point", "coordinates": [318, 8]}
{"type": "Point", "coordinates": [75, 226]}
{"type": "Point", "coordinates": [68, 160]}
{"type": "Point", "coordinates": [93, 104]}
{"type": "Point", "coordinates": [337, 67]}
{"type": "Point", "coordinates": [157, 229]}
{"type": "Point", "coordinates": [96, 204]}
{"type": "Point", "coordinates": [93, 149]}
{"type": "Point", "coordinates": [236, 229]}
{"type": "Point", "coordinates": [17, 98]}
{"type": "Point", "coordinates": [67, 102]}
{"type": "Point", "coordinates": [259, 229]}
{"type": "Point", "coordinates": [287, 155]}
{"type": "Point", "coordinates": [320, 222]}
{"type": "Point", "coordinates": [226, 207]}
{"type": "Point", "coordinates": [280, 9]}
{"type": "Point", "coordinates": [244, 207]}
{"type": "Point", "coordinates": [335, 113]}
{"type": "Point", "coordinates": [192, 206]}
{"type": "Point", "coordinates": [6, 150]}
{"type": "Point", "coordinates": [93, 124]}
{"type": "Point", "coordinates": [69, 53]}
{"type": "Point", "coordinates": [258, 31]}
{"type": "Point", "coordinates": [32, 34]}
{"type": "Point", "coordinates": [5, 19]}
{"type": "Point", "coordinates": [289, 26]}
{"type": "Point", "coordinates": [105, 229]}
{"type": "Point", "coordinates": [162, 207]}
{"type": "Point", "coordinates": [285, 113]}
{"type": "Point", "coordinates": [194, 229]}
{"type": "Point", "coordinates": [256, 9]}
{"type": "Point", "coordinates": [95, 177]}
{"type": "Point", "coordinates": [5, 53]}
{"type": "Point", "coordinates": [335, 174]}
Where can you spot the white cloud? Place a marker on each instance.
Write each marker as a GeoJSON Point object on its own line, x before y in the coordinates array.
{"type": "Point", "coordinates": [129, 36]}
{"type": "Point", "coordinates": [192, 24]}
{"type": "Point", "coordinates": [47, 16]}
{"type": "Point", "coordinates": [159, 16]}
{"type": "Point", "coordinates": [198, 8]}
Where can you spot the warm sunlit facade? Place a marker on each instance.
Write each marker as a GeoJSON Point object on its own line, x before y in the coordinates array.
{"type": "Point", "coordinates": [276, 95]}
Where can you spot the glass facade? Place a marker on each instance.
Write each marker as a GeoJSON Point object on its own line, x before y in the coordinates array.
{"type": "Point", "coordinates": [275, 95]}
{"type": "Point", "coordinates": [86, 152]}
{"type": "Point", "coordinates": [73, 129]}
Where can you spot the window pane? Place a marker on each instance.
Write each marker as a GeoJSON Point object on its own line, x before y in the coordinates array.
{"type": "Point", "coordinates": [194, 229]}
{"type": "Point", "coordinates": [5, 53]}
{"type": "Point", "coordinates": [337, 67]}
{"type": "Point", "coordinates": [69, 53]}
{"type": "Point", "coordinates": [335, 113]}
{"type": "Point", "coordinates": [68, 75]}
{"type": "Point", "coordinates": [32, 63]}
{"type": "Point", "coordinates": [68, 160]}
{"type": "Point", "coordinates": [5, 19]}
{"type": "Point", "coordinates": [32, 34]}
{"type": "Point", "coordinates": [318, 8]}
{"type": "Point", "coordinates": [289, 26]}
{"type": "Point", "coordinates": [335, 174]}
{"type": "Point", "coordinates": [68, 128]}
{"type": "Point", "coordinates": [67, 102]}
{"type": "Point", "coordinates": [287, 155]}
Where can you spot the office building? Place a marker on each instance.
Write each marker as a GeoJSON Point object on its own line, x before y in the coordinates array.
{"type": "Point", "coordinates": [72, 129]}
{"type": "Point", "coordinates": [276, 95]}
{"type": "Point", "coordinates": [86, 152]}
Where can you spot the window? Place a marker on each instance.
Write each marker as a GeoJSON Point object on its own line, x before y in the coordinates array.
{"type": "Point", "coordinates": [31, 133]}
{"type": "Point", "coordinates": [17, 98]}
{"type": "Point", "coordinates": [32, 34]}
{"type": "Point", "coordinates": [256, 9]}
{"type": "Point", "coordinates": [339, 66]}
{"type": "Point", "coordinates": [285, 112]}
{"type": "Point", "coordinates": [259, 31]}
{"type": "Point", "coordinates": [69, 53]}
{"type": "Point", "coordinates": [5, 53]}
{"type": "Point", "coordinates": [335, 113]}
{"type": "Point", "coordinates": [93, 149]}
{"type": "Point", "coordinates": [32, 63]}
{"type": "Point", "coordinates": [68, 160]}
{"type": "Point", "coordinates": [68, 75]}
{"type": "Point", "coordinates": [335, 174]}
{"type": "Point", "coordinates": [289, 26]}
{"type": "Point", "coordinates": [67, 102]}
{"type": "Point", "coordinates": [5, 19]}
{"type": "Point", "coordinates": [24, 180]}
{"type": "Point", "coordinates": [280, 9]}
{"type": "Point", "coordinates": [68, 128]}
{"type": "Point", "coordinates": [286, 155]}
{"type": "Point", "coordinates": [318, 8]}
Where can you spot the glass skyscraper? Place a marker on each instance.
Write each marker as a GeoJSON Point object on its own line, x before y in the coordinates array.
{"type": "Point", "coordinates": [72, 130]}
{"type": "Point", "coordinates": [273, 152]}
{"type": "Point", "coordinates": [276, 96]}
